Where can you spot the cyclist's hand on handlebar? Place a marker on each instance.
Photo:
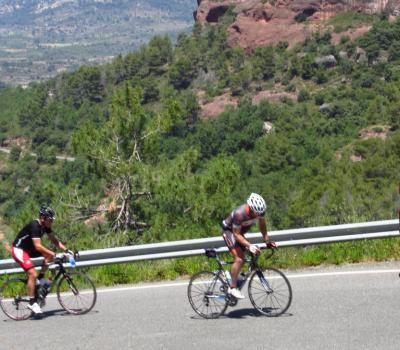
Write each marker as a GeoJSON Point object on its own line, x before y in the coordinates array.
{"type": "Point", "coordinates": [70, 252]}
{"type": "Point", "coordinates": [253, 249]}
{"type": "Point", "coordinates": [271, 245]}
{"type": "Point", "coordinates": [59, 256]}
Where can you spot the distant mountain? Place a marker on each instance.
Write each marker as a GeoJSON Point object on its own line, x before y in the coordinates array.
{"type": "Point", "coordinates": [26, 12]}
{"type": "Point", "coordinates": [39, 38]}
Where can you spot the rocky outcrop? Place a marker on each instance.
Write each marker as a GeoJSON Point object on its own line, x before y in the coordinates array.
{"type": "Point", "coordinates": [19, 141]}
{"type": "Point", "coordinates": [272, 96]}
{"type": "Point", "coordinates": [375, 131]}
{"type": "Point", "coordinates": [213, 108]}
{"type": "Point", "coordinates": [269, 22]}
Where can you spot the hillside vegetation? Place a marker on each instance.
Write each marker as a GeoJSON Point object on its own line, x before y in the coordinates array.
{"type": "Point", "coordinates": [148, 168]}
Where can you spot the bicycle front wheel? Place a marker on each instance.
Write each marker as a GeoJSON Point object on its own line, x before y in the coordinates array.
{"type": "Point", "coordinates": [76, 293]}
{"type": "Point", "coordinates": [206, 293]}
{"type": "Point", "coordinates": [270, 292]}
{"type": "Point", "coordinates": [14, 299]}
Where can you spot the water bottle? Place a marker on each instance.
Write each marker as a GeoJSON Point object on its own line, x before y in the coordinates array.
{"type": "Point", "coordinates": [45, 282]}
{"type": "Point", "coordinates": [48, 283]}
{"type": "Point", "coordinates": [240, 279]}
{"type": "Point", "coordinates": [44, 286]}
{"type": "Point", "coordinates": [40, 291]}
{"type": "Point", "coordinates": [71, 260]}
{"type": "Point", "coordinates": [228, 277]}
{"type": "Point", "coordinates": [45, 290]}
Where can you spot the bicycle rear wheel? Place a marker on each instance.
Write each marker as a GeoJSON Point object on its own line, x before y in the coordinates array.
{"type": "Point", "coordinates": [14, 300]}
{"type": "Point", "coordinates": [76, 293]}
{"type": "Point", "coordinates": [206, 293]}
{"type": "Point", "coordinates": [270, 292]}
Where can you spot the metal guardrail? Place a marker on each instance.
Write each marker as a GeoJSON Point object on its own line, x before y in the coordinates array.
{"type": "Point", "coordinates": [175, 249]}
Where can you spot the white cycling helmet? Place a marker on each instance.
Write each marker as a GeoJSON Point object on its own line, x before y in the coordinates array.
{"type": "Point", "coordinates": [257, 203]}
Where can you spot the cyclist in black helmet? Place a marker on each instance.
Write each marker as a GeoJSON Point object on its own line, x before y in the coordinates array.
{"type": "Point", "coordinates": [28, 244]}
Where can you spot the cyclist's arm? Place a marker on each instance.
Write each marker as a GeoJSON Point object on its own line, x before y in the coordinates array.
{"type": "Point", "coordinates": [4, 242]}
{"type": "Point", "coordinates": [263, 228]}
{"type": "Point", "coordinates": [56, 242]}
{"type": "Point", "coordinates": [47, 253]}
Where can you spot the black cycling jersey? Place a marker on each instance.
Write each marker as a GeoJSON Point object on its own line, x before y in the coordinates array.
{"type": "Point", "coordinates": [24, 238]}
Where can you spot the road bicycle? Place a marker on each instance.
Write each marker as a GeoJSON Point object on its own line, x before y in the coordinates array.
{"type": "Point", "coordinates": [269, 290]}
{"type": "Point", "coordinates": [75, 291]}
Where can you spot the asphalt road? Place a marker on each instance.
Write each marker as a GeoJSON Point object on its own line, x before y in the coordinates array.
{"type": "Point", "coordinates": [350, 307]}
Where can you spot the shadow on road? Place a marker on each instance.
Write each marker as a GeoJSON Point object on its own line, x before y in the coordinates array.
{"type": "Point", "coordinates": [57, 312]}
{"type": "Point", "coordinates": [249, 312]}
{"type": "Point", "coordinates": [45, 314]}
{"type": "Point", "coordinates": [241, 313]}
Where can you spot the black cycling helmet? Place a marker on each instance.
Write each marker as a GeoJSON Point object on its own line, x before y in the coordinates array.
{"type": "Point", "coordinates": [47, 212]}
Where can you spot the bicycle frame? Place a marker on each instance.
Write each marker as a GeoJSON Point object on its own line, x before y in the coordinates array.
{"type": "Point", "coordinates": [269, 289]}
{"type": "Point", "coordinates": [67, 286]}
{"type": "Point", "coordinates": [221, 272]}
{"type": "Point", "coordinates": [61, 272]}
{"type": "Point", "coordinates": [253, 266]}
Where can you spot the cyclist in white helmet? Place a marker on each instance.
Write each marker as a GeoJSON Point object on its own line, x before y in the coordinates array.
{"type": "Point", "coordinates": [233, 229]}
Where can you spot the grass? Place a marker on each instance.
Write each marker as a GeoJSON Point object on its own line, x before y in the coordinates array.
{"type": "Point", "coordinates": [348, 20]}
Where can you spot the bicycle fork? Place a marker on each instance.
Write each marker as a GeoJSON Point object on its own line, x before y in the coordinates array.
{"type": "Point", "coordinates": [71, 285]}
{"type": "Point", "coordinates": [264, 282]}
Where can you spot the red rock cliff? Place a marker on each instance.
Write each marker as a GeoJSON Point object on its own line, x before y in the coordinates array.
{"type": "Point", "coordinates": [269, 22]}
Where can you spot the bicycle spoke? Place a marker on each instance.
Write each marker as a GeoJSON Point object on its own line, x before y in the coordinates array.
{"type": "Point", "coordinates": [14, 300]}
{"type": "Point", "coordinates": [270, 292]}
{"type": "Point", "coordinates": [206, 296]}
{"type": "Point", "coordinates": [76, 293]}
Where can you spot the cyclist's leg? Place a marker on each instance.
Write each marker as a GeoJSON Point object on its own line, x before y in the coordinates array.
{"type": "Point", "coordinates": [239, 257]}
{"type": "Point", "coordinates": [44, 267]}
{"type": "Point", "coordinates": [24, 260]}
{"type": "Point", "coordinates": [238, 254]}
{"type": "Point", "coordinates": [32, 276]}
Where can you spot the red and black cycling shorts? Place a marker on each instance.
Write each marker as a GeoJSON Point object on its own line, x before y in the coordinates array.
{"type": "Point", "coordinates": [22, 258]}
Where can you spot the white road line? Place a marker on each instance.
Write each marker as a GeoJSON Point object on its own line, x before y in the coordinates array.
{"type": "Point", "coordinates": [342, 273]}
{"type": "Point", "coordinates": [290, 276]}
{"type": "Point", "coordinates": [122, 289]}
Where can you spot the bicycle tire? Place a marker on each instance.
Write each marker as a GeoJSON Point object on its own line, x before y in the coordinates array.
{"type": "Point", "coordinates": [270, 292]}
{"type": "Point", "coordinates": [14, 300]}
{"type": "Point", "coordinates": [207, 294]}
{"type": "Point", "coordinates": [76, 293]}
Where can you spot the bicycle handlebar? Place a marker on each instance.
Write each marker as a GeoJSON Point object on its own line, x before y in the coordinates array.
{"type": "Point", "coordinates": [272, 251]}
{"type": "Point", "coordinates": [63, 257]}
{"type": "Point", "coordinates": [212, 253]}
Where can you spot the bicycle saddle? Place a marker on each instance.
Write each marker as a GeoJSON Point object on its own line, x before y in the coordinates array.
{"type": "Point", "coordinates": [211, 252]}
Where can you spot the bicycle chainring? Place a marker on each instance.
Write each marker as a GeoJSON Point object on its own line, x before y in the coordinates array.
{"type": "Point", "coordinates": [232, 301]}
